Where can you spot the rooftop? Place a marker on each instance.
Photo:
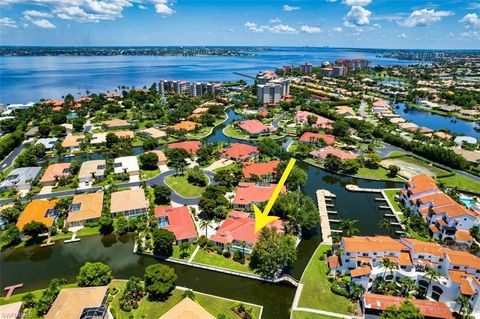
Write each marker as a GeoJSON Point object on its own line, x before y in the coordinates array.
{"type": "Point", "coordinates": [70, 302]}
{"type": "Point", "coordinates": [55, 171]}
{"type": "Point", "coordinates": [251, 169]}
{"type": "Point", "coordinates": [239, 151]}
{"type": "Point", "coordinates": [248, 193]}
{"type": "Point", "coordinates": [37, 210]}
{"type": "Point", "coordinates": [190, 146]}
{"type": "Point", "coordinates": [128, 200]}
{"type": "Point", "coordinates": [85, 206]}
{"type": "Point", "coordinates": [179, 221]}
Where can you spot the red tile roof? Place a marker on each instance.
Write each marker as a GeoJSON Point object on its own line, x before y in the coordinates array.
{"type": "Point", "coordinates": [239, 151]}
{"type": "Point", "coordinates": [333, 261]}
{"type": "Point", "coordinates": [190, 146]}
{"type": "Point", "coordinates": [259, 169]}
{"type": "Point", "coordinates": [248, 193]}
{"type": "Point", "coordinates": [321, 121]}
{"type": "Point", "coordinates": [421, 183]}
{"type": "Point", "coordinates": [361, 271]}
{"type": "Point", "coordinates": [431, 309]}
{"type": "Point", "coordinates": [329, 150]}
{"type": "Point", "coordinates": [310, 137]}
{"type": "Point", "coordinates": [253, 126]}
{"type": "Point", "coordinates": [180, 221]}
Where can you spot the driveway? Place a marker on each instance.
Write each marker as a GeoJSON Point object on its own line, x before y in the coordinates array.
{"type": "Point", "coordinates": [12, 156]}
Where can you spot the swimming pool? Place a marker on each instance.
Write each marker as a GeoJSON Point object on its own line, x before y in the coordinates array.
{"type": "Point", "coordinates": [163, 222]}
{"type": "Point", "coordinates": [467, 201]}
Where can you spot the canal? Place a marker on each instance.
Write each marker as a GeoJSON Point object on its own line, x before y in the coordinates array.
{"type": "Point", "coordinates": [35, 266]}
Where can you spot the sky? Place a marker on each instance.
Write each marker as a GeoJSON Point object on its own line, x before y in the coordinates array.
{"type": "Point", "coordinates": [440, 24]}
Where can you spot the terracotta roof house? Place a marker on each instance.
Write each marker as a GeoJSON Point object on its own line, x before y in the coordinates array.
{"type": "Point", "coordinates": [345, 111]}
{"type": "Point", "coordinates": [127, 165]}
{"type": "Point", "coordinates": [187, 309]}
{"type": "Point", "coordinates": [85, 208]}
{"type": "Point", "coordinates": [237, 229]}
{"type": "Point", "coordinates": [265, 170]}
{"type": "Point", "coordinates": [200, 110]}
{"type": "Point", "coordinates": [38, 210]}
{"type": "Point", "coordinates": [186, 125]}
{"type": "Point", "coordinates": [20, 178]}
{"type": "Point", "coordinates": [98, 138]}
{"type": "Point", "coordinates": [190, 146]}
{"type": "Point", "coordinates": [313, 138]}
{"type": "Point", "coordinates": [470, 156]}
{"type": "Point", "coordinates": [54, 103]}
{"type": "Point", "coordinates": [252, 193]}
{"type": "Point", "coordinates": [322, 153]}
{"type": "Point", "coordinates": [177, 220]}
{"type": "Point", "coordinates": [375, 304]}
{"type": "Point", "coordinates": [162, 159]}
{"type": "Point", "coordinates": [75, 303]}
{"type": "Point", "coordinates": [255, 127]}
{"type": "Point", "coordinates": [53, 172]}
{"type": "Point", "coordinates": [73, 142]}
{"type": "Point", "coordinates": [124, 134]}
{"type": "Point", "coordinates": [153, 132]}
{"type": "Point", "coordinates": [239, 151]}
{"type": "Point", "coordinates": [116, 123]}
{"type": "Point", "coordinates": [91, 170]}
{"type": "Point", "coordinates": [32, 132]}
{"type": "Point", "coordinates": [380, 103]}
{"type": "Point", "coordinates": [320, 121]}
{"type": "Point", "coordinates": [129, 203]}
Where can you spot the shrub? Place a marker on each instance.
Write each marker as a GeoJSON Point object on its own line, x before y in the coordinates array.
{"type": "Point", "coordinates": [113, 291]}
{"type": "Point", "coordinates": [239, 257]}
{"type": "Point", "coordinates": [218, 249]}
{"type": "Point", "coordinates": [65, 230]}
{"type": "Point", "coordinates": [202, 241]}
{"type": "Point", "coordinates": [227, 254]}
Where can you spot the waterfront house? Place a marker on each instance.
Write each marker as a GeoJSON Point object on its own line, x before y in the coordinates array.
{"type": "Point", "coordinates": [162, 159]}
{"type": "Point", "coordinates": [68, 128]}
{"type": "Point", "coordinates": [177, 220]}
{"type": "Point", "coordinates": [126, 165]}
{"type": "Point", "coordinates": [248, 194]}
{"type": "Point", "coordinates": [381, 103]}
{"type": "Point", "coordinates": [116, 124]}
{"type": "Point", "coordinates": [85, 208]}
{"type": "Point", "coordinates": [98, 138]}
{"type": "Point", "coordinates": [190, 146]}
{"type": "Point", "coordinates": [124, 134]}
{"type": "Point", "coordinates": [470, 156]}
{"type": "Point", "coordinates": [54, 172]}
{"type": "Point", "coordinates": [238, 228]}
{"type": "Point", "coordinates": [408, 126]}
{"type": "Point", "coordinates": [91, 170]}
{"type": "Point", "coordinates": [186, 126]}
{"type": "Point", "coordinates": [255, 128]}
{"type": "Point", "coordinates": [450, 108]}
{"type": "Point", "coordinates": [39, 210]}
{"type": "Point", "coordinates": [32, 132]}
{"type": "Point", "coordinates": [318, 121]}
{"type": "Point", "coordinates": [20, 178]}
{"type": "Point", "coordinates": [459, 140]}
{"type": "Point", "coordinates": [314, 138]}
{"type": "Point", "coordinates": [187, 308]}
{"type": "Point", "coordinates": [473, 113]}
{"type": "Point", "coordinates": [83, 302]}
{"type": "Point", "coordinates": [153, 132]}
{"type": "Point", "coordinates": [321, 154]}
{"type": "Point", "coordinates": [345, 110]}
{"type": "Point", "coordinates": [264, 171]}
{"type": "Point", "coordinates": [129, 203]}
{"type": "Point", "coordinates": [48, 142]}
{"type": "Point", "coordinates": [239, 151]}
{"type": "Point", "coordinates": [73, 142]}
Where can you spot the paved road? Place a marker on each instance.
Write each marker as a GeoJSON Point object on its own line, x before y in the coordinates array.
{"type": "Point", "coordinates": [12, 156]}
{"type": "Point", "coordinates": [277, 120]}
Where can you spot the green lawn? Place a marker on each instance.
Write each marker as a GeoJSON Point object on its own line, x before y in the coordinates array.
{"type": "Point", "coordinates": [85, 231]}
{"type": "Point", "coordinates": [214, 259]}
{"type": "Point", "coordinates": [316, 291]}
{"type": "Point", "coordinates": [412, 232]}
{"type": "Point", "coordinates": [379, 173]}
{"type": "Point", "coordinates": [396, 153]}
{"type": "Point", "coordinates": [176, 251]}
{"type": "Point", "coordinates": [411, 166]}
{"type": "Point", "coordinates": [461, 182]}
{"type": "Point", "coordinates": [180, 184]}
{"type": "Point", "coordinates": [151, 309]}
{"type": "Point", "coordinates": [231, 131]}
{"type": "Point", "coordinates": [230, 166]}
{"type": "Point", "coordinates": [309, 315]}
{"type": "Point", "coordinates": [390, 193]}
{"type": "Point", "coordinates": [144, 174]}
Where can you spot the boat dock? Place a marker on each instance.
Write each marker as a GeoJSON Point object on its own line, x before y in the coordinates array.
{"type": "Point", "coordinates": [323, 196]}
{"type": "Point", "coordinates": [355, 188]}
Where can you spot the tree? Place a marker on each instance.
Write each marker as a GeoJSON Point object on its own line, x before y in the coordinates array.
{"type": "Point", "coordinates": [385, 224]}
{"type": "Point", "coordinates": [38, 150]}
{"type": "Point", "coordinates": [29, 300]}
{"type": "Point", "coordinates": [177, 158]}
{"type": "Point", "coordinates": [9, 236]}
{"type": "Point", "coordinates": [205, 223]}
{"type": "Point", "coordinates": [393, 170]}
{"type": "Point", "coordinates": [465, 306]}
{"type": "Point", "coordinates": [406, 285]}
{"type": "Point", "coordinates": [207, 153]}
{"type": "Point", "coordinates": [296, 179]}
{"type": "Point", "coordinates": [75, 166]}
{"type": "Point", "coordinates": [272, 252]}
{"type": "Point", "coordinates": [348, 227]}
{"type": "Point", "coordinates": [184, 249]}
{"type": "Point", "coordinates": [94, 274]}
{"type": "Point", "coordinates": [159, 281]}
{"type": "Point", "coordinates": [432, 274]}
{"type": "Point", "coordinates": [220, 212]}
{"type": "Point", "coordinates": [49, 295]}
{"type": "Point", "coordinates": [162, 242]}
{"type": "Point", "coordinates": [150, 144]}
{"type": "Point", "coordinates": [229, 178]}
{"type": "Point", "coordinates": [10, 214]}
{"type": "Point", "coordinates": [121, 225]}
{"type": "Point", "coordinates": [197, 177]}
{"type": "Point", "coordinates": [212, 197]}
{"type": "Point", "coordinates": [406, 310]}
{"type": "Point", "coordinates": [298, 209]}
{"type": "Point", "coordinates": [332, 163]}
{"type": "Point", "coordinates": [111, 140]}
{"type": "Point", "coordinates": [387, 264]}
{"type": "Point", "coordinates": [34, 229]}
{"type": "Point", "coordinates": [340, 128]}
{"type": "Point", "coordinates": [148, 161]}
{"type": "Point", "coordinates": [162, 194]}
{"type": "Point", "coordinates": [106, 224]}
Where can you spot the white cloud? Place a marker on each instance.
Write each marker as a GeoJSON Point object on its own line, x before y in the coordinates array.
{"type": "Point", "coordinates": [278, 28]}
{"type": "Point", "coordinates": [331, 1]}
{"type": "Point", "coordinates": [357, 16]}
{"type": "Point", "coordinates": [337, 29]}
{"type": "Point", "coordinates": [253, 27]}
{"type": "Point", "coordinates": [7, 23]}
{"type": "Point", "coordinates": [309, 29]}
{"type": "Point", "coordinates": [43, 23]}
{"type": "Point", "coordinates": [288, 8]}
{"type": "Point", "coordinates": [162, 7]}
{"type": "Point", "coordinates": [361, 3]}
{"type": "Point", "coordinates": [470, 35]}
{"type": "Point", "coordinates": [402, 36]}
{"type": "Point", "coordinates": [142, 7]}
{"type": "Point", "coordinates": [275, 20]}
{"type": "Point", "coordinates": [474, 5]}
{"type": "Point", "coordinates": [425, 17]}
{"type": "Point", "coordinates": [38, 14]}
{"type": "Point", "coordinates": [470, 20]}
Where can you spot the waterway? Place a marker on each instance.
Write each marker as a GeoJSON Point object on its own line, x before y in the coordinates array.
{"type": "Point", "coordinates": [436, 122]}
{"type": "Point", "coordinates": [35, 266]}
{"type": "Point", "coordinates": [29, 78]}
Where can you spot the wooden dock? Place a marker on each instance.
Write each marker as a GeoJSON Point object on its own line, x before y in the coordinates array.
{"type": "Point", "coordinates": [355, 188]}
{"type": "Point", "coordinates": [11, 289]}
{"type": "Point", "coordinates": [322, 196]}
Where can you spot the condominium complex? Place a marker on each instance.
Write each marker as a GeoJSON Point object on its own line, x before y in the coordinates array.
{"type": "Point", "coordinates": [181, 87]}
{"type": "Point", "coordinates": [362, 258]}
{"type": "Point", "coordinates": [273, 91]}
{"type": "Point", "coordinates": [447, 219]}
{"type": "Point", "coordinates": [353, 64]}
{"type": "Point", "coordinates": [173, 86]}
{"type": "Point", "coordinates": [306, 68]}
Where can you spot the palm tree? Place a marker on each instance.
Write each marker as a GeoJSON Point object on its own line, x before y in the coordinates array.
{"type": "Point", "coordinates": [184, 248]}
{"type": "Point", "coordinates": [385, 224]}
{"type": "Point", "coordinates": [432, 274]}
{"type": "Point", "coordinates": [355, 291]}
{"type": "Point", "coordinates": [349, 227]}
{"type": "Point", "coordinates": [243, 244]}
{"type": "Point", "coordinates": [406, 285]}
{"type": "Point", "coordinates": [204, 223]}
{"type": "Point", "coordinates": [464, 303]}
{"type": "Point", "coordinates": [388, 265]}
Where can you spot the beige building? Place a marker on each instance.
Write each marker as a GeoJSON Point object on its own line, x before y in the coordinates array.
{"type": "Point", "coordinates": [116, 123]}
{"type": "Point", "coordinates": [153, 132]}
{"type": "Point", "coordinates": [72, 303]}
{"type": "Point", "coordinates": [85, 208]}
{"type": "Point", "coordinates": [73, 142]}
{"type": "Point", "coordinates": [129, 203]}
{"type": "Point", "coordinates": [187, 309]}
{"type": "Point", "coordinates": [91, 170]}
{"type": "Point", "coordinates": [162, 159]}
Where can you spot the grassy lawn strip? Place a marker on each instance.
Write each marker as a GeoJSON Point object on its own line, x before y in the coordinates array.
{"type": "Point", "coordinates": [229, 166]}
{"type": "Point", "coordinates": [316, 291]}
{"type": "Point", "coordinates": [391, 198]}
{"type": "Point", "coordinates": [309, 315]}
{"type": "Point", "coordinates": [396, 153]}
{"type": "Point", "coordinates": [149, 174]}
{"type": "Point", "coordinates": [214, 259]}
{"type": "Point", "coordinates": [231, 131]}
{"type": "Point", "coordinates": [85, 231]}
{"type": "Point", "coordinates": [218, 306]}
{"type": "Point", "coordinates": [180, 184]}
{"type": "Point", "coordinates": [461, 182]}
{"type": "Point", "coordinates": [379, 173]}
{"type": "Point", "coordinates": [37, 293]}
{"type": "Point", "coordinates": [176, 251]}
{"type": "Point", "coordinates": [413, 233]}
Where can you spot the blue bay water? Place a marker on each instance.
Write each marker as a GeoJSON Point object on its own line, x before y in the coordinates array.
{"type": "Point", "coordinates": [29, 78]}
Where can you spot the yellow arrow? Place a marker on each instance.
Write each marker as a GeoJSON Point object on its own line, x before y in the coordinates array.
{"type": "Point", "coordinates": [261, 218]}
